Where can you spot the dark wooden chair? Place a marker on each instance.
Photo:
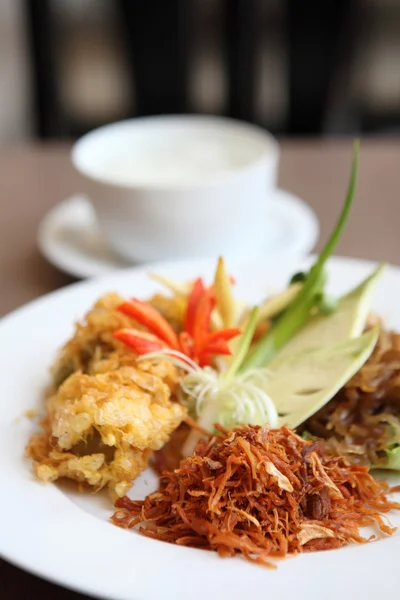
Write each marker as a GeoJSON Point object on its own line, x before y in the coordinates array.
{"type": "Point", "coordinates": [157, 39]}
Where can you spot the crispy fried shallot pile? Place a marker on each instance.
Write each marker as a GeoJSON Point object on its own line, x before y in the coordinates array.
{"type": "Point", "coordinates": [364, 417]}
{"type": "Point", "coordinates": [261, 493]}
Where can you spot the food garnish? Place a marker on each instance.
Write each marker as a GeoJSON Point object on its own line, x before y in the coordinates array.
{"type": "Point", "coordinates": [196, 342]}
{"type": "Point", "coordinates": [304, 382]}
{"type": "Point", "coordinates": [346, 321]}
{"type": "Point", "coordinates": [269, 381]}
{"type": "Point", "coordinates": [299, 310]}
{"type": "Point", "coordinates": [261, 493]}
{"type": "Point", "coordinates": [224, 295]}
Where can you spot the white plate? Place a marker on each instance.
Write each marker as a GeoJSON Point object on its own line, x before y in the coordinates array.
{"type": "Point", "coordinates": [65, 537]}
{"type": "Point", "coordinates": [70, 238]}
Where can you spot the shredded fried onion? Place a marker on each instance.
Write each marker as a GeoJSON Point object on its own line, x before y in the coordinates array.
{"type": "Point", "coordinates": [262, 493]}
{"type": "Point", "coordinates": [363, 420]}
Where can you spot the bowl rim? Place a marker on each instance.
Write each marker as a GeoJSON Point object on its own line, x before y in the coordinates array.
{"type": "Point", "coordinates": [269, 153]}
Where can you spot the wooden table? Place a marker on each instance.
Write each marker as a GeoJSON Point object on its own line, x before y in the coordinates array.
{"type": "Point", "coordinates": [34, 178]}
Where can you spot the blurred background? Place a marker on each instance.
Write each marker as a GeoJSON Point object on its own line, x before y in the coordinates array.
{"type": "Point", "coordinates": [297, 68]}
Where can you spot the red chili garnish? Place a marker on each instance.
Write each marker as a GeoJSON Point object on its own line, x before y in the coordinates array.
{"type": "Point", "coordinates": [202, 319]}
{"type": "Point", "coordinates": [148, 316]}
{"type": "Point", "coordinates": [193, 301]}
{"type": "Point", "coordinates": [141, 341]}
{"type": "Point", "coordinates": [216, 347]}
{"type": "Point", "coordinates": [222, 334]}
{"type": "Point", "coordinates": [186, 343]}
{"type": "Point", "coordinates": [196, 341]}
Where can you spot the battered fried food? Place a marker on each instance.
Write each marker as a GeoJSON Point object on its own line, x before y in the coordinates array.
{"type": "Point", "coordinates": [105, 414]}
{"type": "Point", "coordinates": [93, 349]}
{"type": "Point", "coordinates": [93, 343]}
{"type": "Point", "coordinates": [101, 429]}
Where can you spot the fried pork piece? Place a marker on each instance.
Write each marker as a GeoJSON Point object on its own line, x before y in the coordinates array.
{"type": "Point", "coordinates": [93, 342]}
{"type": "Point", "coordinates": [92, 349]}
{"type": "Point", "coordinates": [102, 429]}
{"type": "Point", "coordinates": [106, 414]}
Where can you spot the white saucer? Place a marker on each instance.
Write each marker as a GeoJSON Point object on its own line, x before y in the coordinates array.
{"type": "Point", "coordinates": [70, 238]}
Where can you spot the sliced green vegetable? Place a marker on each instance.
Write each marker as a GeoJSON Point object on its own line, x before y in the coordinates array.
{"type": "Point", "coordinates": [326, 305]}
{"type": "Point", "coordinates": [243, 345]}
{"type": "Point", "coordinates": [306, 435]}
{"type": "Point", "coordinates": [299, 310]}
{"type": "Point", "coordinates": [301, 384]}
{"type": "Point", "coordinates": [392, 459]}
{"type": "Point", "coordinates": [348, 321]}
{"type": "Point", "coordinates": [288, 392]}
{"type": "Point", "coordinates": [275, 305]}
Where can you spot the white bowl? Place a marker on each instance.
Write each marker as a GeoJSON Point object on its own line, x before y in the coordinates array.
{"type": "Point", "coordinates": [179, 186]}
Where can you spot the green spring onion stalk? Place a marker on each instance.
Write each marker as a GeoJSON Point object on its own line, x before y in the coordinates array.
{"type": "Point", "coordinates": [244, 344]}
{"type": "Point", "coordinates": [298, 312]}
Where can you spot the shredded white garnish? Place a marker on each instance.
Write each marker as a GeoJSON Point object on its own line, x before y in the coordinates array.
{"type": "Point", "coordinates": [240, 399]}
{"type": "Point", "coordinates": [177, 358]}
{"type": "Point", "coordinates": [212, 397]}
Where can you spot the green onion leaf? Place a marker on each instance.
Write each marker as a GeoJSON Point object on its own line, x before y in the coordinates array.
{"type": "Point", "coordinates": [298, 312]}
